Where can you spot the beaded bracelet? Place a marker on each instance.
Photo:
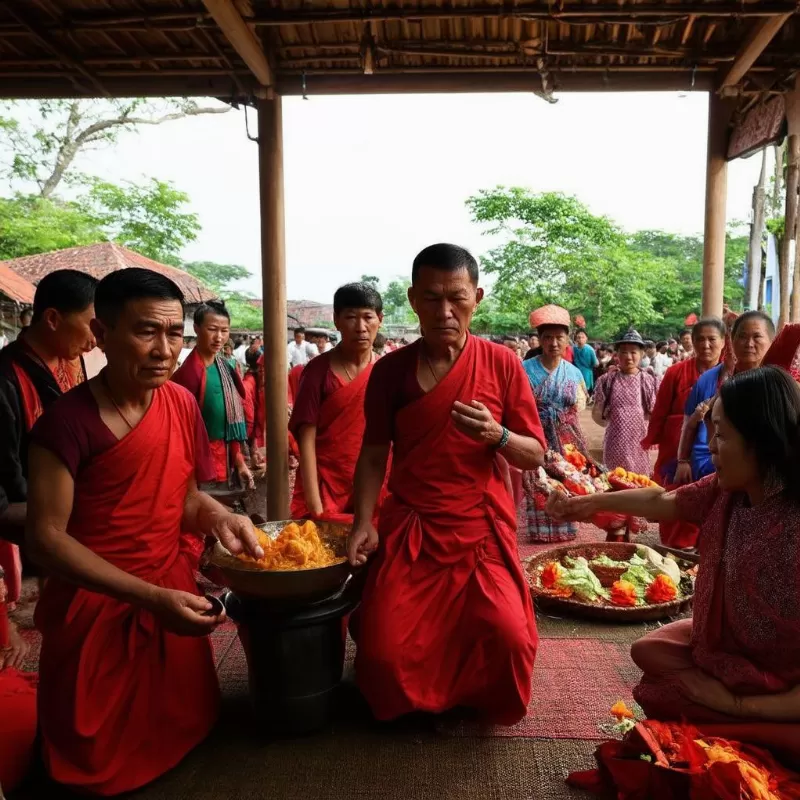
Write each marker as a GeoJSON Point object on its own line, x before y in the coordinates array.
{"type": "Point", "coordinates": [504, 438]}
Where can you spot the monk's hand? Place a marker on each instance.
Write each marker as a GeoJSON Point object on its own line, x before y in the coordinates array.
{"type": "Point", "coordinates": [12, 656]}
{"type": "Point", "coordinates": [477, 422]}
{"type": "Point", "coordinates": [362, 542]}
{"type": "Point", "coordinates": [705, 690]}
{"type": "Point", "coordinates": [184, 613]}
{"type": "Point", "coordinates": [237, 534]}
{"type": "Point", "coordinates": [563, 508]}
{"type": "Point", "coordinates": [245, 476]}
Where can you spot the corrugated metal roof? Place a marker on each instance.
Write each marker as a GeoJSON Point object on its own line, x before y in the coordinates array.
{"type": "Point", "coordinates": [99, 260]}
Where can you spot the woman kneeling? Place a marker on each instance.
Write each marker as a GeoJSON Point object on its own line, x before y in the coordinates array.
{"type": "Point", "coordinates": [734, 669]}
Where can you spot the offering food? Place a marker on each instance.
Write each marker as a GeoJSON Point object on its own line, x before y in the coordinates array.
{"type": "Point", "coordinates": [620, 478]}
{"type": "Point", "coordinates": [646, 578]}
{"type": "Point", "coordinates": [295, 547]}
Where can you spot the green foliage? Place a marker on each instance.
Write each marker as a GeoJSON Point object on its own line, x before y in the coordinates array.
{"type": "Point", "coordinates": [244, 315]}
{"type": "Point", "coordinates": [374, 280]}
{"type": "Point", "coordinates": [216, 277]}
{"type": "Point", "coordinates": [396, 308]}
{"type": "Point", "coordinates": [149, 218]}
{"type": "Point", "coordinates": [554, 250]}
{"type": "Point", "coordinates": [30, 224]}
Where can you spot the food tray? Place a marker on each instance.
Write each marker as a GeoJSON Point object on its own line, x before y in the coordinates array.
{"type": "Point", "coordinates": [618, 551]}
{"type": "Point", "coordinates": [247, 578]}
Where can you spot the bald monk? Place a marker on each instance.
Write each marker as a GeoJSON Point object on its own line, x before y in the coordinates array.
{"type": "Point", "coordinates": [127, 680]}
{"type": "Point", "coordinates": [446, 617]}
{"type": "Point", "coordinates": [328, 415]}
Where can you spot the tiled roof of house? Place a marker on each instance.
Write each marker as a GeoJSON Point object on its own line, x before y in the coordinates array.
{"type": "Point", "coordinates": [99, 260]}
{"type": "Point", "coordinates": [15, 287]}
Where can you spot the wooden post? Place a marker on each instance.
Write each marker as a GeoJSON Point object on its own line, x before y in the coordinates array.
{"type": "Point", "coordinates": [756, 235]}
{"type": "Point", "coordinates": [273, 277]}
{"type": "Point", "coordinates": [719, 114]}
{"type": "Point", "coordinates": [792, 211]}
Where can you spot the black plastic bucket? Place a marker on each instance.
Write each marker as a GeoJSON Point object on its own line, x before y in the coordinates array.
{"type": "Point", "coordinates": [295, 660]}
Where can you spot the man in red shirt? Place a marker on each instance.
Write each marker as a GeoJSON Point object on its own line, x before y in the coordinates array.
{"type": "Point", "coordinates": [127, 684]}
{"type": "Point", "coordinates": [446, 617]}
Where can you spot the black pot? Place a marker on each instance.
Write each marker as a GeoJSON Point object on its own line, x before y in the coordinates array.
{"type": "Point", "coordinates": [295, 659]}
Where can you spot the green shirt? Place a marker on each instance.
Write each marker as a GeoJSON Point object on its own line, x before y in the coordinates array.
{"type": "Point", "coordinates": [214, 405]}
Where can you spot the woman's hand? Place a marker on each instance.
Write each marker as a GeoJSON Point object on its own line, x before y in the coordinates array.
{"type": "Point", "coordinates": [184, 613]}
{"type": "Point", "coordinates": [701, 411]}
{"type": "Point", "coordinates": [362, 543]}
{"type": "Point", "coordinates": [12, 656]}
{"type": "Point", "coordinates": [237, 534]}
{"type": "Point", "coordinates": [562, 508]}
{"type": "Point", "coordinates": [683, 474]}
{"type": "Point", "coordinates": [245, 476]}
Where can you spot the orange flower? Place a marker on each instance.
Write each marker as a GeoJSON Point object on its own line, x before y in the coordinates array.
{"type": "Point", "coordinates": [621, 711]}
{"type": "Point", "coordinates": [623, 593]}
{"type": "Point", "coordinates": [661, 590]}
{"type": "Point", "coordinates": [550, 574]}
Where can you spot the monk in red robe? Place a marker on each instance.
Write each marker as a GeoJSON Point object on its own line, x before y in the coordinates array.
{"type": "Point", "coordinates": [666, 421]}
{"type": "Point", "coordinates": [44, 362]}
{"type": "Point", "coordinates": [734, 668]}
{"type": "Point", "coordinates": [220, 394]}
{"type": "Point", "coordinates": [446, 617]}
{"type": "Point", "coordinates": [127, 681]}
{"type": "Point", "coordinates": [328, 415]}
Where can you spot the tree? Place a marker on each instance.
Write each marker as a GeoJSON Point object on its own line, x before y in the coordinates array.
{"type": "Point", "coordinates": [373, 280]}
{"type": "Point", "coordinates": [31, 224]}
{"type": "Point", "coordinates": [396, 308]}
{"type": "Point", "coordinates": [149, 219]}
{"type": "Point", "coordinates": [556, 251]}
{"type": "Point", "coordinates": [217, 277]}
{"type": "Point", "coordinates": [44, 138]}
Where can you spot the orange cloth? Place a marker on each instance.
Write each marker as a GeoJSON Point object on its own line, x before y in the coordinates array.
{"type": "Point", "coordinates": [121, 700]}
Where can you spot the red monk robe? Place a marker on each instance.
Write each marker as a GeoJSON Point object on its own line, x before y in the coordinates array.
{"type": "Point", "coordinates": [745, 628]}
{"type": "Point", "coordinates": [337, 411]}
{"type": "Point", "coordinates": [121, 700]}
{"type": "Point", "coordinates": [664, 431]}
{"type": "Point", "coordinates": [446, 618]}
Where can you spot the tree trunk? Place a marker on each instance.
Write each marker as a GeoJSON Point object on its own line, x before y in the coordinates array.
{"type": "Point", "coordinates": [756, 236]}
{"type": "Point", "coordinates": [790, 220]}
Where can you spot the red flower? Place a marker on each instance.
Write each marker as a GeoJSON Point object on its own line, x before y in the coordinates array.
{"type": "Point", "coordinates": [661, 590]}
{"type": "Point", "coordinates": [550, 574]}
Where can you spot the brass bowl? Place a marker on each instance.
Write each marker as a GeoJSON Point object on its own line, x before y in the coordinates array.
{"type": "Point", "coordinates": [247, 578]}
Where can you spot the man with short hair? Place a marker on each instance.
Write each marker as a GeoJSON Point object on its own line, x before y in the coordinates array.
{"type": "Point", "coordinates": [44, 362]}
{"type": "Point", "coordinates": [323, 342]}
{"type": "Point", "coordinates": [446, 617]}
{"type": "Point", "coordinates": [219, 392]}
{"type": "Point", "coordinates": [127, 684]}
{"type": "Point", "coordinates": [299, 351]}
{"type": "Point", "coordinates": [328, 413]}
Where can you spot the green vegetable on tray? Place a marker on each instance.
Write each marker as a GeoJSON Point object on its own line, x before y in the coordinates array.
{"type": "Point", "coordinates": [579, 577]}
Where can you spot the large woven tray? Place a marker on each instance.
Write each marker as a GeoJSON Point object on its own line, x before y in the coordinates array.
{"type": "Point", "coordinates": [619, 551]}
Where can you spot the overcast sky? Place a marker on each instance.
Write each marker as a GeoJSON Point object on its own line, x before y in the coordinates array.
{"type": "Point", "coordinates": [372, 180]}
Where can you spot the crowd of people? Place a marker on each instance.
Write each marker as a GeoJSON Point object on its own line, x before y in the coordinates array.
{"type": "Point", "coordinates": [431, 451]}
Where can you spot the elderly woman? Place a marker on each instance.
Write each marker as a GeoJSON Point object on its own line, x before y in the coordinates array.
{"type": "Point", "coordinates": [666, 421]}
{"type": "Point", "coordinates": [560, 395]}
{"type": "Point", "coordinates": [623, 402]}
{"type": "Point", "coordinates": [737, 662]}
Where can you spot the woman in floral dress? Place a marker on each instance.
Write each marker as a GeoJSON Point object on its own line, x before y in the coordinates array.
{"type": "Point", "coordinates": [560, 395]}
{"type": "Point", "coordinates": [623, 402]}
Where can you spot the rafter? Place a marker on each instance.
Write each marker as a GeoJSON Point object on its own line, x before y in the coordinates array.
{"type": "Point", "coordinates": [241, 38]}
{"type": "Point", "coordinates": [762, 33]}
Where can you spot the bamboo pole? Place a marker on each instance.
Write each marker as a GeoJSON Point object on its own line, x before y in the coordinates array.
{"type": "Point", "coordinates": [719, 114]}
{"type": "Point", "coordinates": [756, 235]}
{"type": "Point", "coordinates": [790, 219]}
{"type": "Point", "coordinates": [273, 276]}
{"type": "Point", "coordinates": [792, 185]}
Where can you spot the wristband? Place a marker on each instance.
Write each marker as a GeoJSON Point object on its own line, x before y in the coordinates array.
{"type": "Point", "coordinates": [505, 436]}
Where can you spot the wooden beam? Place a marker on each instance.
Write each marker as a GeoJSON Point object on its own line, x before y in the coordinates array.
{"type": "Point", "coordinates": [762, 33]}
{"type": "Point", "coordinates": [273, 277]}
{"type": "Point", "coordinates": [47, 42]}
{"type": "Point", "coordinates": [241, 38]}
{"type": "Point", "coordinates": [719, 116]}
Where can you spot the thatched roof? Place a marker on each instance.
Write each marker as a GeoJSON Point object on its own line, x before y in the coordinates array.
{"type": "Point", "coordinates": [99, 260]}
{"type": "Point", "coordinates": [188, 47]}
